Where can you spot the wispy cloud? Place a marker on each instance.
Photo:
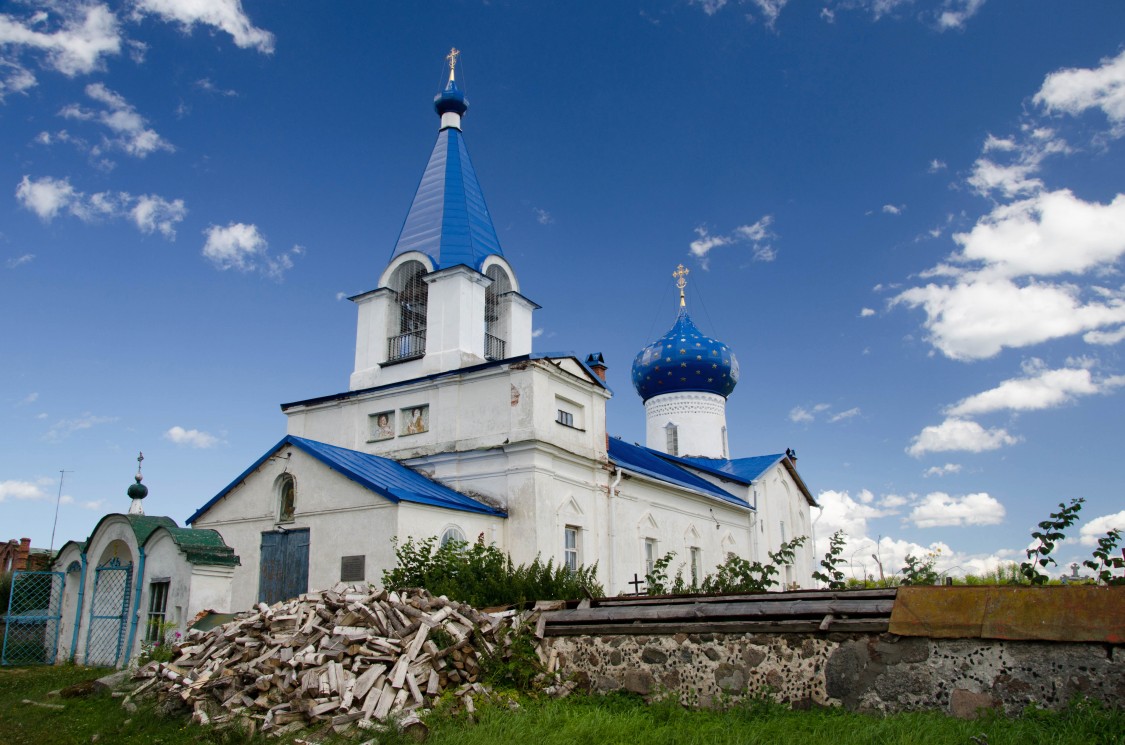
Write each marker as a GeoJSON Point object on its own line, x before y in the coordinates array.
{"type": "Point", "coordinates": [893, 209]}
{"type": "Point", "coordinates": [843, 415]}
{"type": "Point", "coordinates": [70, 38]}
{"type": "Point", "coordinates": [543, 217]}
{"type": "Point", "coordinates": [64, 428]}
{"type": "Point", "coordinates": [49, 197]}
{"type": "Point", "coordinates": [757, 235]}
{"type": "Point", "coordinates": [225, 15]}
{"type": "Point", "coordinates": [866, 312]}
{"type": "Point", "coordinates": [208, 86]}
{"type": "Point", "coordinates": [19, 261]}
{"type": "Point", "coordinates": [945, 470]}
{"type": "Point", "coordinates": [131, 133]}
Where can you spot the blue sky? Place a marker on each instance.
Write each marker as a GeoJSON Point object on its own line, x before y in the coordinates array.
{"type": "Point", "coordinates": [906, 218]}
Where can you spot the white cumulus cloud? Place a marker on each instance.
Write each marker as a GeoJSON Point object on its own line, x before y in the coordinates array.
{"type": "Point", "coordinates": [1099, 526]}
{"type": "Point", "coordinates": [942, 510]}
{"type": "Point", "coordinates": [243, 247]}
{"type": "Point", "coordinates": [191, 437]}
{"type": "Point", "coordinates": [73, 38]}
{"type": "Point", "coordinates": [1042, 389]}
{"type": "Point", "coordinates": [959, 435]}
{"type": "Point", "coordinates": [49, 197]}
{"type": "Point", "coordinates": [225, 15]}
{"type": "Point", "coordinates": [866, 312]}
{"type": "Point", "coordinates": [1075, 90]}
{"type": "Point", "coordinates": [23, 490]}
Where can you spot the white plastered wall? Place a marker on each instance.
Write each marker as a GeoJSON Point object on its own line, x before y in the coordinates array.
{"type": "Point", "coordinates": [344, 518]}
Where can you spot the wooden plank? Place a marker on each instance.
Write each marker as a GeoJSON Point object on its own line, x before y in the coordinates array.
{"type": "Point", "coordinates": [720, 627]}
{"type": "Point", "coordinates": [699, 611]}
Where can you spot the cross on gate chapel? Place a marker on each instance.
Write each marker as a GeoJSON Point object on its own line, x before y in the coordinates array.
{"type": "Point", "coordinates": [452, 426]}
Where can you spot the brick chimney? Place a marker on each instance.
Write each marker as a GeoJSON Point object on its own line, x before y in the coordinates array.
{"type": "Point", "coordinates": [596, 363]}
{"type": "Point", "coordinates": [22, 553]}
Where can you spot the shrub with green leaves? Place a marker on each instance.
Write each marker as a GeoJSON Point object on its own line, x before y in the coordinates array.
{"type": "Point", "coordinates": [832, 576]}
{"type": "Point", "coordinates": [739, 575]}
{"type": "Point", "coordinates": [1050, 533]}
{"type": "Point", "coordinates": [484, 576]}
{"type": "Point", "coordinates": [920, 571]}
{"type": "Point", "coordinates": [1103, 563]}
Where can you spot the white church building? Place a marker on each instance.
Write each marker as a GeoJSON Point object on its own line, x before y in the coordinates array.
{"type": "Point", "coordinates": [453, 427]}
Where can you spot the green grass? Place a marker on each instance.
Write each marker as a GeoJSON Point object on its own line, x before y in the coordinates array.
{"type": "Point", "coordinates": [610, 720]}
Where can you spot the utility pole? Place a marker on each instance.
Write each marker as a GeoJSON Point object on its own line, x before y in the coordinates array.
{"type": "Point", "coordinates": [58, 500]}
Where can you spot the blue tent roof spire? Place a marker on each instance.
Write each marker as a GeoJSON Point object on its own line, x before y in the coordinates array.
{"type": "Point", "coordinates": [448, 219]}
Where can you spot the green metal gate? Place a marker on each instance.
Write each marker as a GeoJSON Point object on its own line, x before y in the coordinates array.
{"type": "Point", "coordinates": [108, 613]}
{"type": "Point", "coordinates": [31, 624]}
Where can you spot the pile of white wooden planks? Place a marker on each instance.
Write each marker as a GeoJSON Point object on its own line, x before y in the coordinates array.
{"type": "Point", "coordinates": [349, 656]}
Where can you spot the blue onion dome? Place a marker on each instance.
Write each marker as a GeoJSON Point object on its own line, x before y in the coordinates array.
{"type": "Point", "coordinates": [685, 359]}
{"type": "Point", "coordinates": [451, 100]}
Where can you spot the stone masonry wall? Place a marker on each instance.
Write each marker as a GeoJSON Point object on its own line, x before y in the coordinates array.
{"type": "Point", "coordinates": [861, 672]}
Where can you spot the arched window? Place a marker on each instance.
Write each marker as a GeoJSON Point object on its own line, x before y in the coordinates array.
{"type": "Point", "coordinates": [495, 320]}
{"type": "Point", "coordinates": [408, 341]}
{"type": "Point", "coordinates": [286, 498]}
{"type": "Point", "coordinates": [452, 533]}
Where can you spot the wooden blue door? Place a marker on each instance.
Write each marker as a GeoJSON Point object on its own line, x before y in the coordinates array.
{"type": "Point", "coordinates": [284, 570]}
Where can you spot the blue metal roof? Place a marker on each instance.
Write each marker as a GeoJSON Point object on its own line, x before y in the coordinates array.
{"type": "Point", "coordinates": [742, 470]}
{"type": "Point", "coordinates": [648, 462]}
{"type": "Point", "coordinates": [386, 477]}
{"type": "Point", "coordinates": [448, 219]}
{"type": "Point", "coordinates": [685, 359]}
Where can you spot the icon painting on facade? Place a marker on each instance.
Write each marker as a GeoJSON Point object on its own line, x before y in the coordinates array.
{"type": "Point", "coordinates": [382, 425]}
{"type": "Point", "coordinates": [415, 420]}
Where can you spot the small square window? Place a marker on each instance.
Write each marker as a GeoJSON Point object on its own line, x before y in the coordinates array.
{"type": "Point", "coordinates": [565, 417]}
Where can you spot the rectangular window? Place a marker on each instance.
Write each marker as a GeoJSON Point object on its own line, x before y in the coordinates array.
{"type": "Point", "coordinates": [570, 547]}
{"type": "Point", "coordinates": [569, 413]}
{"type": "Point", "coordinates": [650, 554]}
{"type": "Point", "coordinates": [696, 566]}
{"type": "Point", "coordinates": [673, 433]}
{"type": "Point", "coordinates": [157, 608]}
{"type": "Point", "coordinates": [352, 568]}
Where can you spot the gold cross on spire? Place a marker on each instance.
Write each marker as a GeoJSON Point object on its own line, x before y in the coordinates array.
{"type": "Point", "coordinates": [454, 53]}
{"type": "Point", "coordinates": [681, 281]}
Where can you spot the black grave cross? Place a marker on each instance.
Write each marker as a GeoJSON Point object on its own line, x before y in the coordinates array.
{"type": "Point", "coordinates": [636, 583]}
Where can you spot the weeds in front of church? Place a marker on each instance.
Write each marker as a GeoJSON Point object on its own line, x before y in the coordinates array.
{"type": "Point", "coordinates": [483, 576]}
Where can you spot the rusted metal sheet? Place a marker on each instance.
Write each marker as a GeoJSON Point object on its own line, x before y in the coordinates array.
{"type": "Point", "coordinates": [1066, 614]}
